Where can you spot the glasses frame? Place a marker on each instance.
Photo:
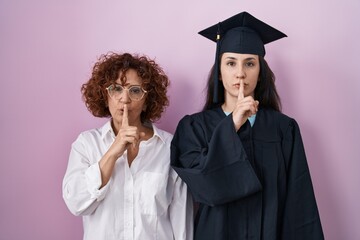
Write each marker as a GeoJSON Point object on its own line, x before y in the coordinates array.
{"type": "Point", "coordinates": [127, 89]}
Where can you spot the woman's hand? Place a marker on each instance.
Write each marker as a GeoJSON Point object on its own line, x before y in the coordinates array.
{"type": "Point", "coordinates": [244, 108]}
{"type": "Point", "coordinates": [128, 137]}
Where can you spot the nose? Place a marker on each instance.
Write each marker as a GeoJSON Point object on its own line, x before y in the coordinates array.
{"type": "Point", "coordinates": [240, 73]}
{"type": "Point", "coordinates": [124, 98]}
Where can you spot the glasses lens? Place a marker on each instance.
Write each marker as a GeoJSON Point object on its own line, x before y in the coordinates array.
{"type": "Point", "coordinates": [136, 92]}
{"type": "Point", "coordinates": [115, 91]}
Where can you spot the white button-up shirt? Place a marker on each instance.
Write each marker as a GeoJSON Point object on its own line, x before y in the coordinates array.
{"type": "Point", "coordinates": [145, 201]}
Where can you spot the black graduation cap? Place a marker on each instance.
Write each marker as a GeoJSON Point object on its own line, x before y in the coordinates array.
{"type": "Point", "coordinates": [241, 33]}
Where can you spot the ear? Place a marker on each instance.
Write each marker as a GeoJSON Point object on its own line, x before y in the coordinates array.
{"type": "Point", "coordinates": [144, 108]}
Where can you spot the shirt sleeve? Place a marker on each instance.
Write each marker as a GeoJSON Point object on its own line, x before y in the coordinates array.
{"type": "Point", "coordinates": [301, 216]}
{"type": "Point", "coordinates": [82, 181]}
{"type": "Point", "coordinates": [181, 211]}
{"type": "Point", "coordinates": [215, 168]}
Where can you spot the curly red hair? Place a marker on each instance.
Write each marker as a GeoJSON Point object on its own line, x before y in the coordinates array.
{"type": "Point", "coordinates": [106, 71]}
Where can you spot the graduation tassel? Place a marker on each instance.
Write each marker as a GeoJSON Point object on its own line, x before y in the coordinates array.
{"type": "Point", "coordinates": [216, 67]}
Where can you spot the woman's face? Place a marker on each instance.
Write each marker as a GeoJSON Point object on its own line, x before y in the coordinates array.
{"type": "Point", "coordinates": [237, 66]}
{"type": "Point", "coordinates": [135, 107]}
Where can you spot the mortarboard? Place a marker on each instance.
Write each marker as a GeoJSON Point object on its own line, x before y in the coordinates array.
{"type": "Point", "coordinates": [241, 33]}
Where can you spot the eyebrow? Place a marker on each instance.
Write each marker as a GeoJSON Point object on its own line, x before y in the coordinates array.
{"type": "Point", "coordinates": [128, 85]}
{"type": "Point", "coordinates": [246, 59]}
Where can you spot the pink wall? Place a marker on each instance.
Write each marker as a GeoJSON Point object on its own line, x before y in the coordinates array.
{"type": "Point", "coordinates": [47, 50]}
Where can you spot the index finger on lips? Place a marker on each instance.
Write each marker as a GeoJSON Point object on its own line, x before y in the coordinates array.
{"type": "Point", "coordinates": [241, 90]}
{"type": "Point", "coordinates": [125, 120]}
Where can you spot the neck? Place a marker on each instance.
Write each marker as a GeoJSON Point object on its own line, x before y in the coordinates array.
{"type": "Point", "coordinates": [227, 108]}
{"type": "Point", "coordinates": [117, 125]}
{"type": "Point", "coordinates": [229, 104]}
{"type": "Point", "coordinates": [148, 131]}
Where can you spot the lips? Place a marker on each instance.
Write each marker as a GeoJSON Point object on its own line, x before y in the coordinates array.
{"type": "Point", "coordinates": [238, 85]}
{"type": "Point", "coordinates": [121, 110]}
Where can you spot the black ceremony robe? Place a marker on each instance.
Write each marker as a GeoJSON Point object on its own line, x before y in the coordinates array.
{"type": "Point", "coordinates": [250, 184]}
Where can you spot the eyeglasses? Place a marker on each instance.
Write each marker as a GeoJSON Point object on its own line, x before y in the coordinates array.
{"type": "Point", "coordinates": [136, 93]}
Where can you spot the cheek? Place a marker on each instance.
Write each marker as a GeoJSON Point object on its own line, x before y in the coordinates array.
{"type": "Point", "coordinates": [225, 78]}
{"type": "Point", "coordinates": [255, 77]}
{"type": "Point", "coordinates": [253, 84]}
{"type": "Point", "coordinates": [224, 72]}
{"type": "Point", "coordinates": [111, 105]}
{"type": "Point", "coordinates": [137, 107]}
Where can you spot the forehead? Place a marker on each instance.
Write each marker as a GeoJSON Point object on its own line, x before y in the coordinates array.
{"type": "Point", "coordinates": [129, 78]}
{"type": "Point", "coordinates": [239, 56]}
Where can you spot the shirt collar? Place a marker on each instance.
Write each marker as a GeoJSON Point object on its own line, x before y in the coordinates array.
{"type": "Point", "coordinates": [107, 130]}
{"type": "Point", "coordinates": [158, 133]}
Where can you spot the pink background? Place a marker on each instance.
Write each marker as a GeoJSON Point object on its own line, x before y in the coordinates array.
{"type": "Point", "coordinates": [47, 49]}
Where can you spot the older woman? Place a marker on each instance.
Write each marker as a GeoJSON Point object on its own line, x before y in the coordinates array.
{"type": "Point", "coordinates": [118, 176]}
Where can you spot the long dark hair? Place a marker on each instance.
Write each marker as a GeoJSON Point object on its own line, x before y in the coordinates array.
{"type": "Point", "coordinates": [265, 91]}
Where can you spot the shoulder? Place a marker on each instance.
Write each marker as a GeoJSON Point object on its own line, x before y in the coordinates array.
{"type": "Point", "coordinates": [95, 134]}
{"type": "Point", "coordinates": [274, 117]}
{"type": "Point", "coordinates": [212, 116]}
{"type": "Point", "coordinates": [285, 122]}
{"type": "Point", "coordinates": [90, 133]}
{"type": "Point", "coordinates": [271, 124]}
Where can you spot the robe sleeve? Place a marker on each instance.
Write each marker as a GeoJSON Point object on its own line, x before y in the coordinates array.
{"type": "Point", "coordinates": [301, 216]}
{"type": "Point", "coordinates": [213, 162]}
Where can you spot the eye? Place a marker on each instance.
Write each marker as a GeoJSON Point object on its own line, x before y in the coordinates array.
{"type": "Point", "coordinates": [231, 63]}
{"type": "Point", "coordinates": [116, 88]}
{"type": "Point", "coordinates": [135, 90]}
{"type": "Point", "coordinates": [250, 64]}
